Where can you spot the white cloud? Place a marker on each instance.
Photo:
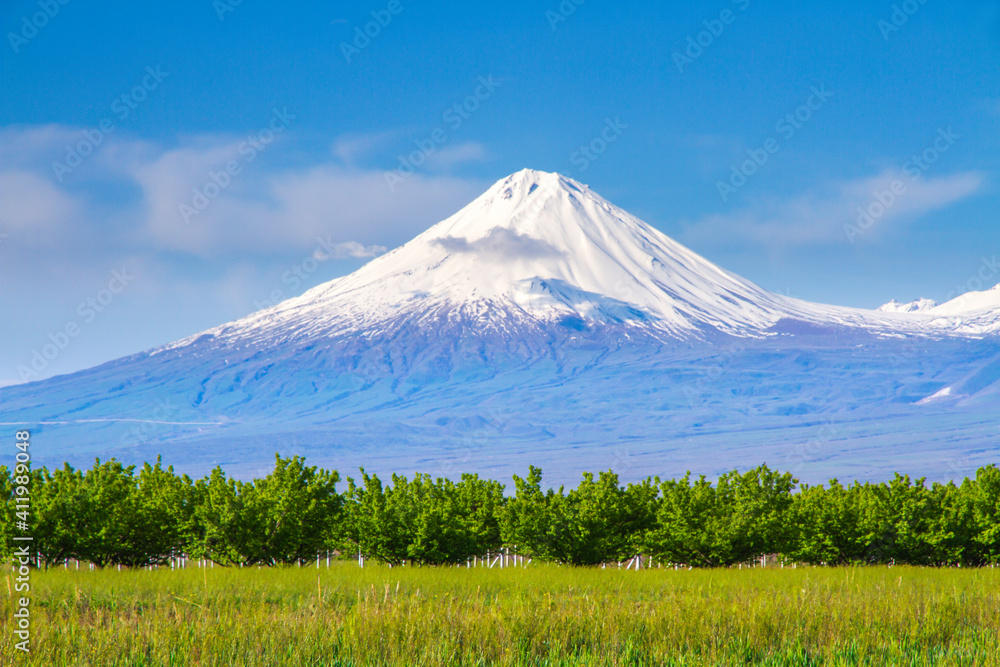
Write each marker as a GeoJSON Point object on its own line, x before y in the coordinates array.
{"type": "Point", "coordinates": [448, 156]}
{"type": "Point", "coordinates": [35, 146]}
{"type": "Point", "coordinates": [32, 203]}
{"type": "Point", "coordinates": [500, 243]}
{"type": "Point", "coordinates": [125, 202]}
{"type": "Point", "coordinates": [920, 196]}
{"type": "Point", "coordinates": [170, 180]}
{"type": "Point", "coordinates": [349, 148]}
{"type": "Point", "coordinates": [351, 249]}
{"type": "Point", "coordinates": [820, 217]}
{"type": "Point", "coordinates": [264, 210]}
{"type": "Point", "coordinates": [358, 205]}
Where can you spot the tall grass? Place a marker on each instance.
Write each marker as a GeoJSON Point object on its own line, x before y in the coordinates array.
{"type": "Point", "coordinates": [546, 615]}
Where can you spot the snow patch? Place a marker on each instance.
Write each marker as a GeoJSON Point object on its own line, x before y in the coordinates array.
{"type": "Point", "coordinates": [937, 396]}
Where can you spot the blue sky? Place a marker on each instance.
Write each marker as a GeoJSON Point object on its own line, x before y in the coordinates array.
{"type": "Point", "coordinates": [287, 122]}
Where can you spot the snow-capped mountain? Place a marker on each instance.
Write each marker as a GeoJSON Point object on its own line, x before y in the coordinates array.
{"type": "Point", "coordinates": [973, 312]}
{"type": "Point", "coordinates": [539, 248]}
{"type": "Point", "coordinates": [918, 306]}
{"type": "Point", "coordinates": [543, 325]}
{"type": "Point", "coordinates": [970, 313]}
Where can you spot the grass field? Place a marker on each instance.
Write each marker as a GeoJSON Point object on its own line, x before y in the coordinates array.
{"type": "Point", "coordinates": [544, 615]}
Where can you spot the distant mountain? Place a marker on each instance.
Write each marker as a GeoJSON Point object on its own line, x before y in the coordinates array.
{"type": "Point", "coordinates": [972, 313]}
{"type": "Point", "coordinates": [918, 306]}
{"type": "Point", "coordinates": [541, 324]}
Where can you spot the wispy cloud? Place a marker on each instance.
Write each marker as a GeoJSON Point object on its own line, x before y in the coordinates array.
{"type": "Point", "coordinates": [351, 148]}
{"type": "Point", "coordinates": [260, 209]}
{"type": "Point", "coordinates": [920, 197]}
{"type": "Point", "coordinates": [500, 243]}
{"type": "Point", "coordinates": [171, 179]}
{"type": "Point", "coordinates": [449, 156]}
{"type": "Point", "coordinates": [35, 146]}
{"type": "Point", "coordinates": [32, 205]}
{"type": "Point", "coordinates": [121, 206]}
{"type": "Point", "coordinates": [819, 217]}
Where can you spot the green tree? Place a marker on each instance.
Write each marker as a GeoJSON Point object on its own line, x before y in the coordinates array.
{"type": "Point", "coordinates": [603, 521]}
{"type": "Point", "coordinates": [597, 522]}
{"type": "Point", "coordinates": [124, 519]}
{"type": "Point", "coordinates": [743, 517]}
{"type": "Point", "coordinates": [480, 503]}
{"type": "Point", "coordinates": [163, 513]}
{"type": "Point", "coordinates": [985, 502]}
{"type": "Point", "coordinates": [451, 522]}
{"type": "Point", "coordinates": [292, 515]}
{"type": "Point", "coordinates": [296, 511]}
{"type": "Point", "coordinates": [897, 519]}
{"type": "Point", "coordinates": [64, 515]}
{"type": "Point", "coordinates": [424, 520]}
{"type": "Point", "coordinates": [376, 520]}
{"type": "Point", "coordinates": [825, 525]}
{"type": "Point", "coordinates": [530, 521]}
{"type": "Point", "coordinates": [684, 531]}
{"type": "Point", "coordinates": [951, 525]}
{"type": "Point", "coordinates": [221, 531]}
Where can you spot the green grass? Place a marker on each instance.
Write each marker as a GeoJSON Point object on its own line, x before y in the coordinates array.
{"type": "Point", "coordinates": [535, 616]}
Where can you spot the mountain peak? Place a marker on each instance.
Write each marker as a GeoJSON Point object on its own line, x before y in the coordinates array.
{"type": "Point", "coordinates": [538, 247]}
{"type": "Point", "coordinates": [522, 184]}
{"type": "Point", "coordinates": [920, 305]}
{"type": "Point", "coordinates": [515, 202]}
{"type": "Point", "coordinates": [540, 251]}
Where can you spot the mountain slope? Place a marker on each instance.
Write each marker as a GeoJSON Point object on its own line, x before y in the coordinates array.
{"type": "Point", "coordinates": [538, 248]}
{"type": "Point", "coordinates": [539, 324]}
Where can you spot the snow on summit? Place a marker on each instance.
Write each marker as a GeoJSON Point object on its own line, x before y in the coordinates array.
{"type": "Point", "coordinates": [920, 305]}
{"type": "Point", "coordinates": [538, 248]}
{"type": "Point", "coordinates": [971, 313]}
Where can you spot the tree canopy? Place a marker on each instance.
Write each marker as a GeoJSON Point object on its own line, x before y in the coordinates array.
{"type": "Point", "coordinates": [113, 514]}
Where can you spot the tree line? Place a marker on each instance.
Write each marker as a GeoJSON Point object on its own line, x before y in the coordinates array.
{"type": "Point", "coordinates": [114, 514]}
